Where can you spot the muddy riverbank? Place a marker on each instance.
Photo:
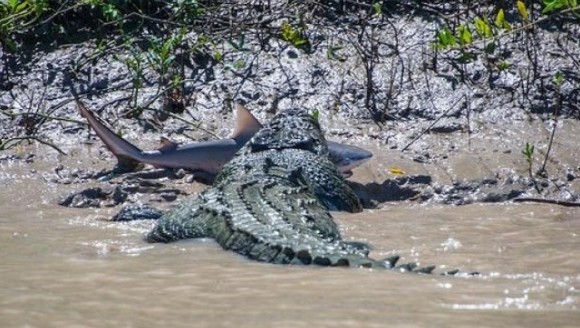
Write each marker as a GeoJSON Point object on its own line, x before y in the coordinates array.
{"type": "Point", "coordinates": [455, 129]}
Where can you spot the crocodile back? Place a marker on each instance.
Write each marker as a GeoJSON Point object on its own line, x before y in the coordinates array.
{"type": "Point", "coordinates": [271, 201]}
{"type": "Point", "coordinates": [294, 141]}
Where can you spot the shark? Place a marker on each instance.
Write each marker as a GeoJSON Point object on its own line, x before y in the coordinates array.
{"type": "Point", "coordinates": [206, 158]}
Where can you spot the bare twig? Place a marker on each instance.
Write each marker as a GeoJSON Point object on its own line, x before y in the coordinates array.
{"type": "Point", "coordinates": [42, 115]}
{"type": "Point", "coordinates": [556, 113]}
{"type": "Point", "coordinates": [433, 123]}
{"type": "Point", "coordinates": [15, 140]}
{"type": "Point", "coordinates": [546, 201]}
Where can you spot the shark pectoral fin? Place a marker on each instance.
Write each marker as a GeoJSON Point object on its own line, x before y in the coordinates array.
{"type": "Point", "coordinates": [166, 145]}
{"type": "Point", "coordinates": [246, 125]}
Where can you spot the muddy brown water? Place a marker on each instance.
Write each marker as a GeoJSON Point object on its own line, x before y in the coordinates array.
{"type": "Point", "coordinates": [63, 267]}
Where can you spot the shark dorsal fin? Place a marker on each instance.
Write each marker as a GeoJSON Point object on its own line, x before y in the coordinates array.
{"type": "Point", "coordinates": [246, 126]}
{"type": "Point", "coordinates": [166, 145]}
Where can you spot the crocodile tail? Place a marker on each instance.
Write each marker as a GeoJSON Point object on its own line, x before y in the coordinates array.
{"type": "Point", "coordinates": [272, 220]}
{"type": "Point", "coordinates": [270, 251]}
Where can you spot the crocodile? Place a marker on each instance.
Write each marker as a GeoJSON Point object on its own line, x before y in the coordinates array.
{"type": "Point", "coordinates": [205, 159]}
{"type": "Point", "coordinates": [271, 202]}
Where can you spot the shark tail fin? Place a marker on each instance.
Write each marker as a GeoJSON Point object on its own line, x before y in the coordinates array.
{"type": "Point", "coordinates": [126, 153]}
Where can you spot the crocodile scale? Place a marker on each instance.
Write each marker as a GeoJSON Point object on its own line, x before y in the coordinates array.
{"type": "Point", "coordinates": [271, 202]}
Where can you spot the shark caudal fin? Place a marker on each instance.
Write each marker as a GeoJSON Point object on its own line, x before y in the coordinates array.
{"type": "Point", "coordinates": [246, 126]}
{"type": "Point", "coordinates": [127, 154]}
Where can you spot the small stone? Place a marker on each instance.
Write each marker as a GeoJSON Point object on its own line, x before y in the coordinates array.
{"type": "Point", "coordinates": [180, 174]}
{"type": "Point", "coordinates": [168, 196]}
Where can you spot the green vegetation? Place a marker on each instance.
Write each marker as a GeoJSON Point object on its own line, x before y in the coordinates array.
{"type": "Point", "coordinates": [558, 80]}
{"type": "Point", "coordinates": [528, 153]}
{"type": "Point", "coordinates": [18, 15]}
{"type": "Point", "coordinates": [295, 35]}
{"type": "Point", "coordinates": [166, 49]}
{"type": "Point", "coordinates": [482, 38]}
{"type": "Point", "coordinates": [482, 34]}
{"type": "Point", "coordinates": [316, 114]}
{"type": "Point", "coordinates": [528, 150]}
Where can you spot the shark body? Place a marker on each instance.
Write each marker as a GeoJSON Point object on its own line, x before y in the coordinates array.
{"type": "Point", "coordinates": [205, 159]}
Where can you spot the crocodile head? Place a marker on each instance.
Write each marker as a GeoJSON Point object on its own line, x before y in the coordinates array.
{"type": "Point", "coordinates": [293, 128]}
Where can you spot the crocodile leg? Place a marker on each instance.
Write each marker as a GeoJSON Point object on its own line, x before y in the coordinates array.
{"type": "Point", "coordinates": [324, 181]}
{"type": "Point", "coordinates": [137, 212]}
{"type": "Point", "coordinates": [189, 220]}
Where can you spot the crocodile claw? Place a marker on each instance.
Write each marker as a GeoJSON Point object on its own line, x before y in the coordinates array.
{"type": "Point", "coordinates": [360, 246]}
{"type": "Point", "coordinates": [137, 212]}
{"type": "Point", "coordinates": [389, 262]}
{"type": "Point", "coordinates": [425, 270]}
{"type": "Point", "coordinates": [407, 267]}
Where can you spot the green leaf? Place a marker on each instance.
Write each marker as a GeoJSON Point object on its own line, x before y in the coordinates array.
{"type": "Point", "coordinates": [482, 27]}
{"type": "Point", "coordinates": [466, 57]}
{"type": "Point", "coordinates": [465, 36]}
{"type": "Point", "coordinates": [501, 22]}
{"type": "Point", "coordinates": [506, 26]}
{"type": "Point", "coordinates": [239, 64]}
{"type": "Point", "coordinates": [12, 4]}
{"type": "Point", "coordinates": [218, 56]}
{"type": "Point", "coordinates": [445, 38]}
{"type": "Point", "coordinates": [294, 35]}
{"type": "Point", "coordinates": [286, 31]}
{"type": "Point", "coordinates": [315, 114]}
{"type": "Point", "coordinates": [378, 8]}
{"type": "Point", "coordinates": [528, 152]}
{"type": "Point", "coordinates": [522, 10]}
{"type": "Point", "coordinates": [10, 44]}
{"type": "Point", "coordinates": [550, 5]}
{"type": "Point", "coordinates": [21, 6]}
{"type": "Point", "coordinates": [503, 65]}
{"type": "Point", "coordinates": [499, 18]}
{"type": "Point", "coordinates": [559, 78]}
{"type": "Point", "coordinates": [490, 48]}
{"type": "Point", "coordinates": [332, 53]}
